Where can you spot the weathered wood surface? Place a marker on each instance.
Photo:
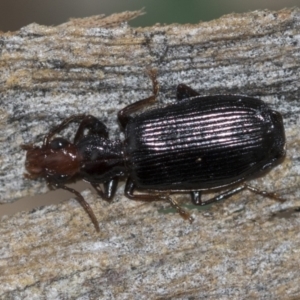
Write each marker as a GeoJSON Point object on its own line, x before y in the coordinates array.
{"type": "Point", "coordinates": [247, 247]}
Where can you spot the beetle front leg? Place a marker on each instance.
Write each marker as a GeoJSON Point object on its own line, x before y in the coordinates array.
{"type": "Point", "coordinates": [61, 126]}
{"type": "Point", "coordinates": [93, 125]}
{"type": "Point", "coordinates": [130, 187]}
{"type": "Point", "coordinates": [125, 114]}
{"type": "Point", "coordinates": [110, 188]}
{"type": "Point", "coordinates": [81, 201]}
{"type": "Point", "coordinates": [184, 92]}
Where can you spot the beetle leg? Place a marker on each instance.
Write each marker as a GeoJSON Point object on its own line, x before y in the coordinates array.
{"type": "Point", "coordinates": [110, 188]}
{"type": "Point", "coordinates": [271, 195]}
{"type": "Point", "coordinates": [130, 186]}
{"type": "Point", "coordinates": [93, 125]}
{"type": "Point", "coordinates": [125, 114]}
{"type": "Point", "coordinates": [61, 126]}
{"type": "Point", "coordinates": [184, 92]}
{"type": "Point", "coordinates": [183, 213]}
{"type": "Point", "coordinates": [196, 196]}
{"type": "Point", "coordinates": [81, 201]}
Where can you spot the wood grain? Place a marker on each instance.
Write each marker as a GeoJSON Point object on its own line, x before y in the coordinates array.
{"type": "Point", "coordinates": [247, 247]}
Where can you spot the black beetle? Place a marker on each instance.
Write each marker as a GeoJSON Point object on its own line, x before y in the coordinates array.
{"type": "Point", "coordinates": [194, 145]}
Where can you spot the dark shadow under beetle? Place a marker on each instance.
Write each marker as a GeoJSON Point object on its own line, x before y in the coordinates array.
{"type": "Point", "coordinates": [197, 144]}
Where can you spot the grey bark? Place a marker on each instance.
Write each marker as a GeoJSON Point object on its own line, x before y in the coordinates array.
{"type": "Point", "coordinates": [246, 247]}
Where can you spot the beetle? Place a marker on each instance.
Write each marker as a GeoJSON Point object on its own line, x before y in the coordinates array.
{"type": "Point", "coordinates": [196, 144]}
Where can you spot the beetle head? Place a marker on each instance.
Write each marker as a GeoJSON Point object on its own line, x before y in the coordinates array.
{"type": "Point", "coordinates": [57, 159]}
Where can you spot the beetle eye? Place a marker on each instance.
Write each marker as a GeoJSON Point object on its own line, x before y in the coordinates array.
{"type": "Point", "coordinates": [58, 143]}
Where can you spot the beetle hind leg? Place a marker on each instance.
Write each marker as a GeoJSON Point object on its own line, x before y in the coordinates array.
{"type": "Point", "coordinates": [271, 195]}
{"type": "Point", "coordinates": [196, 195]}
